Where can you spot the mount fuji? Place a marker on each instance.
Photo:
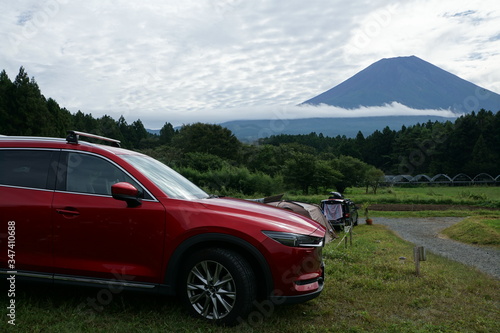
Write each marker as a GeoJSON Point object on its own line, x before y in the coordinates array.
{"type": "Point", "coordinates": [410, 81]}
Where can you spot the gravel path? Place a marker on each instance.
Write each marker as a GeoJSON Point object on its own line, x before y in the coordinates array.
{"type": "Point", "coordinates": [425, 232]}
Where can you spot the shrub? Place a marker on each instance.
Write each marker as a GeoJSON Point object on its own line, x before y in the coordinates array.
{"type": "Point", "coordinates": [230, 180]}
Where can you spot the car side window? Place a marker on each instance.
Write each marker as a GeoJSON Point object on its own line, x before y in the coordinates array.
{"type": "Point", "coordinates": [28, 168]}
{"type": "Point", "coordinates": [91, 174]}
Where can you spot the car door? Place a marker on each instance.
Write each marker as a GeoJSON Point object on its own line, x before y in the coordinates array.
{"type": "Point", "coordinates": [27, 180]}
{"type": "Point", "coordinates": [97, 236]}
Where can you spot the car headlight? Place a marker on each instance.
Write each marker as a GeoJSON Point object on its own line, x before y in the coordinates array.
{"type": "Point", "coordinates": [294, 240]}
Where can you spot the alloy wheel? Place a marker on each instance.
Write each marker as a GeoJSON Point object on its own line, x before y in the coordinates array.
{"type": "Point", "coordinates": [211, 289]}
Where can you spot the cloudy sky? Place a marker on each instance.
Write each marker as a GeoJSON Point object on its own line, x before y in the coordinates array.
{"type": "Point", "coordinates": [217, 60]}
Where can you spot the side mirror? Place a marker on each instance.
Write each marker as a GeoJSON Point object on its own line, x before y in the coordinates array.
{"type": "Point", "coordinates": [126, 192]}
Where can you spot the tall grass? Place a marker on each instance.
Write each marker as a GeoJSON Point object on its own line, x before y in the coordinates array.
{"type": "Point", "coordinates": [476, 230]}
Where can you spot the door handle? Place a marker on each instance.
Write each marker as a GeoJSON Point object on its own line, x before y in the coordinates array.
{"type": "Point", "coordinates": [69, 211]}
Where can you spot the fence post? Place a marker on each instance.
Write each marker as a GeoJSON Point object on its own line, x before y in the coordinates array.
{"type": "Point", "coordinates": [419, 255]}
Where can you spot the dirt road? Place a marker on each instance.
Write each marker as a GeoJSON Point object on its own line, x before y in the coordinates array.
{"type": "Point", "coordinates": [426, 232]}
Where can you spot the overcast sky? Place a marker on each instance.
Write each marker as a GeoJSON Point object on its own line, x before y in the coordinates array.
{"type": "Point", "coordinates": [212, 61]}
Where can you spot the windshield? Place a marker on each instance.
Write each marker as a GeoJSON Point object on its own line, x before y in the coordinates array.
{"type": "Point", "coordinates": [169, 181]}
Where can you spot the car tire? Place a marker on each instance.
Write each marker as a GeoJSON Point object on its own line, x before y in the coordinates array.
{"type": "Point", "coordinates": [218, 285]}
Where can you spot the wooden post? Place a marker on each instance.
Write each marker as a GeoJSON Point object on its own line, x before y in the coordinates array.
{"type": "Point", "coordinates": [419, 255]}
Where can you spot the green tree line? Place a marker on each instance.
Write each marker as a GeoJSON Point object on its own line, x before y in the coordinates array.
{"type": "Point", "coordinates": [470, 145]}
{"type": "Point", "coordinates": [212, 157]}
{"type": "Point", "coordinates": [25, 111]}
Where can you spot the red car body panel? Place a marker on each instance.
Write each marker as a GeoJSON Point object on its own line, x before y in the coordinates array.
{"type": "Point", "coordinates": [31, 211]}
{"type": "Point", "coordinates": [100, 236]}
{"type": "Point", "coordinates": [242, 219]}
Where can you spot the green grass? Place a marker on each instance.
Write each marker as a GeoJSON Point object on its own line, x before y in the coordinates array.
{"type": "Point", "coordinates": [476, 230]}
{"type": "Point", "coordinates": [434, 213]}
{"type": "Point", "coordinates": [483, 196]}
{"type": "Point", "coordinates": [464, 195]}
{"type": "Point", "coordinates": [368, 289]}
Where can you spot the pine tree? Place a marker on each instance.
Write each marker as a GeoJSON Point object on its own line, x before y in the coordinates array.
{"type": "Point", "coordinates": [6, 87]}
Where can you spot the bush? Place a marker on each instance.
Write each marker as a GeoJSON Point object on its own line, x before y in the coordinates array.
{"type": "Point", "coordinates": [230, 180]}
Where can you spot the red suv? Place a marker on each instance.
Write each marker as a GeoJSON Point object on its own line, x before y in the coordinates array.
{"type": "Point", "coordinates": [83, 213]}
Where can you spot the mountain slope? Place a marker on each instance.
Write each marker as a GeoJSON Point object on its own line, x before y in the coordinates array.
{"type": "Point", "coordinates": [410, 81]}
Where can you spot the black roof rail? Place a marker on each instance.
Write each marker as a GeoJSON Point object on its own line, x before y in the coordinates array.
{"type": "Point", "coordinates": [73, 137]}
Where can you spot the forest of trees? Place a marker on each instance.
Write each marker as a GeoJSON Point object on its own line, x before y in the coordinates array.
{"type": "Point", "coordinates": [212, 157]}
{"type": "Point", "coordinates": [470, 145]}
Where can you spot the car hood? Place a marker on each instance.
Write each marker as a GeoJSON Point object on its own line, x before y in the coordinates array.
{"type": "Point", "coordinates": [269, 217]}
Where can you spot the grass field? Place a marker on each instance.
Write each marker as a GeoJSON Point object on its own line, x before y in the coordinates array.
{"type": "Point", "coordinates": [483, 196]}
{"type": "Point", "coordinates": [369, 288]}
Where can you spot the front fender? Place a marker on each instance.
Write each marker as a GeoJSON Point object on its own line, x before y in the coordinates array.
{"type": "Point", "coordinates": [198, 242]}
